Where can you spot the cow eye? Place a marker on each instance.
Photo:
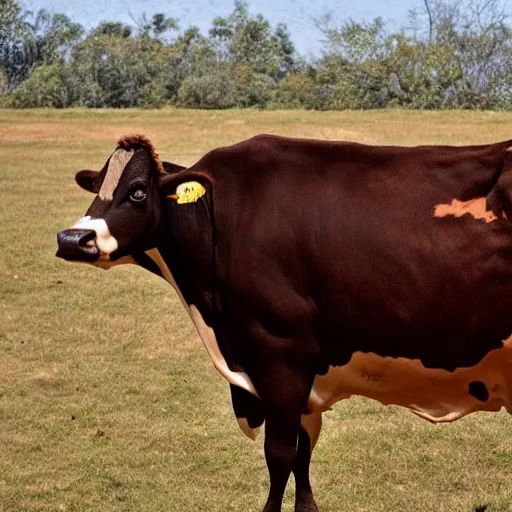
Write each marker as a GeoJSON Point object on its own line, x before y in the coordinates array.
{"type": "Point", "coordinates": [138, 195]}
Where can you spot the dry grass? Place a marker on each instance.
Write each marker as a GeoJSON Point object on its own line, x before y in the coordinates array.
{"type": "Point", "coordinates": [107, 399]}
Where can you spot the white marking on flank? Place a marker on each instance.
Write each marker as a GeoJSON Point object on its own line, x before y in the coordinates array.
{"type": "Point", "coordinates": [118, 161]}
{"type": "Point", "coordinates": [106, 243]}
{"type": "Point", "coordinates": [434, 394]}
{"type": "Point", "coordinates": [476, 207]}
{"type": "Point", "coordinates": [206, 333]}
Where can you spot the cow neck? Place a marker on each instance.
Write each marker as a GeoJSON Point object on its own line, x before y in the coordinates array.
{"type": "Point", "coordinates": [185, 258]}
{"type": "Point", "coordinates": [187, 247]}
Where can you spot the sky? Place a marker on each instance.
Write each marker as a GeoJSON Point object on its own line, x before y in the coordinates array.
{"type": "Point", "coordinates": [297, 14]}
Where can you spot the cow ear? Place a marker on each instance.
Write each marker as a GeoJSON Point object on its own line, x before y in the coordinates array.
{"type": "Point", "coordinates": [186, 186]}
{"type": "Point", "coordinates": [172, 168]}
{"type": "Point", "coordinates": [86, 180]}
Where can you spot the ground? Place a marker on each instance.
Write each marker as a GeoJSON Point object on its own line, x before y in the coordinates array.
{"type": "Point", "coordinates": [108, 400]}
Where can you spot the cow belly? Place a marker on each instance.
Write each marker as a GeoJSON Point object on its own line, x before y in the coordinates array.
{"type": "Point", "coordinates": [437, 395]}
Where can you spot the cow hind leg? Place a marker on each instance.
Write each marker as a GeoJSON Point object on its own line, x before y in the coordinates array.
{"type": "Point", "coordinates": [308, 436]}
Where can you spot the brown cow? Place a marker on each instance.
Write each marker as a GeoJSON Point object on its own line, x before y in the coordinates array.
{"type": "Point", "coordinates": [315, 270]}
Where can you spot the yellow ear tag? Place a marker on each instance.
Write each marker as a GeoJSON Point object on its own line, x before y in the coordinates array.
{"type": "Point", "coordinates": [189, 192]}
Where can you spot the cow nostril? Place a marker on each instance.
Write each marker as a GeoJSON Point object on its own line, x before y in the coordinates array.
{"type": "Point", "coordinates": [87, 242]}
{"type": "Point", "coordinates": [77, 244]}
{"type": "Point", "coordinates": [86, 235]}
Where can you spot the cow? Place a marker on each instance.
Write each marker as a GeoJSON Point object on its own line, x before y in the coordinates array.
{"type": "Point", "coordinates": [317, 270]}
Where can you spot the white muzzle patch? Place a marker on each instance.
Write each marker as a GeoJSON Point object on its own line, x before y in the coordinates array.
{"type": "Point", "coordinates": [106, 243]}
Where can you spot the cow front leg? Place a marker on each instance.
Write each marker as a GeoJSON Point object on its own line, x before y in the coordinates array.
{"type": "Point", "coordinates": [308, 436]}
{"type": "Point", "coordinates": [284, 401]}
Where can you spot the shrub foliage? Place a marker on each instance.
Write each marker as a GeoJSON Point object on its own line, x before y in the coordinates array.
{"type": "Point", "coordinates": [453, 54]}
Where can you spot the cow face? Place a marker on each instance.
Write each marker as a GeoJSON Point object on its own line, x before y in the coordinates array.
{"type": "Point", "coordinates": [125, 217]}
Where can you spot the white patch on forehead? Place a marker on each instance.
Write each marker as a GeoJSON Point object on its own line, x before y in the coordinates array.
{"type": "Point", "coordinates": [206, 333]}
{"type": "Point", "coordinates": [118, 161]}
{"type": "Point", "coordinates": [106, 243]}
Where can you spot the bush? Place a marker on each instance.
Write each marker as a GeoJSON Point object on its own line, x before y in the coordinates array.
{"type": "Point", "coordinates": [153, 95]}
{"type": "Point", "coordinates": [44, 88]}
{"type": "Point", "coordinates": [214, 90]}
{"type": "Point", "coordinates": [298, 90]}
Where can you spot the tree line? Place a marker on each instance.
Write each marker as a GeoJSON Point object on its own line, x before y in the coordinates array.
{"type": "Point", "coordinates": [449, 54]}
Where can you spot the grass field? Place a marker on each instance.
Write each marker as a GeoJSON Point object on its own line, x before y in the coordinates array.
{"type": "Point", "coordinates": [108, 401]}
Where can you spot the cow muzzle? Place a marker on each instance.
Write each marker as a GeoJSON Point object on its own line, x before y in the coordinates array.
{"type": "Point", "coordinates": [77, 245]}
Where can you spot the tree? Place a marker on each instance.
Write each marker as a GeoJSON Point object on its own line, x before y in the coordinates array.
{"type": "Point", "coordinates": [112, 29]}
{"type": "Point", "coordinates": [453, 54]}
{"type": "Point", "coordinates": [46, 87]}
{"type": "Point", "coordinates": [191, 56]}
{"type": "Point", "coordinates": [241, 38]}
{"type": "Point", "coordinates": [354, 72]}
{"type": "Point", "coordinates": [243, 57]}
{"type": "Point", "coordinates": [55, 35]}
{"type": "Point", "coordinates": [108, 71]}
{"type": "Point", "coordinates": [157, 27]}
{"type": "Point", "coordinates": [479, 38]}
{"type": "Point", "coordinates": [17, 44]}
{"type": "Point", "coordinates": [113, 67]}
{"type": "Point", "coordinates": [299, 90]}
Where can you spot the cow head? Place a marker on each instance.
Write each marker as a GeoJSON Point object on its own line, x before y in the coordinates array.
{"type": "Point", "coordinates": [125, 218]}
